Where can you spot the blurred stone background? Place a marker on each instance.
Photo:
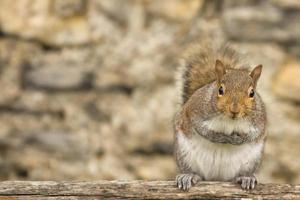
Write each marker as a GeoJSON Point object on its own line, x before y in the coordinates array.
{"type": "Point", "coordinates": [88, 85]}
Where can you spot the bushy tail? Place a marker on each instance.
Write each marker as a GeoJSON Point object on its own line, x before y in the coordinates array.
{"type": "Point", "coordinates": [198, 65]}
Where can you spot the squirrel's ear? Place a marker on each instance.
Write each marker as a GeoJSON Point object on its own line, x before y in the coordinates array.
{"type": "Point", "coordinates": [220, 70]}
{"type": "Point", "coordinates": [255, 74]}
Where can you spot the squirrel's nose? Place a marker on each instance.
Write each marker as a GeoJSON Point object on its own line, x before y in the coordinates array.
{"type": "Point", "coordinates": [234, 108]}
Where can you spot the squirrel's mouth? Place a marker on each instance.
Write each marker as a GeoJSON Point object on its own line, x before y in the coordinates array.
{"type": "Point", "coordinates": [236, 115]}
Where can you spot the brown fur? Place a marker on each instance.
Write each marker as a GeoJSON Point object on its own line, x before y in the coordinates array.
{"type": "Point", "coordinates": [219, 65]}
{"type": "Point", "coordinates": [199, 65]}
{"type": "Point", "coordinates": [222, 116]}
{"type": "Point", "coordinates": [236, 85]}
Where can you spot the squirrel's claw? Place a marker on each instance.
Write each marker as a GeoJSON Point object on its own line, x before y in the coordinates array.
{"type": "Point", "coordinates": [246, 182]}
{"type": "Point", "coordinates": [186, 181]}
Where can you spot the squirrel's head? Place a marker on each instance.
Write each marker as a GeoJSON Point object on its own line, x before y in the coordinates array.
{"type": "Point", "coordinates": [236, 90]}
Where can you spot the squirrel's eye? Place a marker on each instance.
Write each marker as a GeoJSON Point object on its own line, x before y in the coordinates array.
{"type": "Point", "coordinates": [221, 90]}
{"type": "Point", "coordinates": [251, 93]}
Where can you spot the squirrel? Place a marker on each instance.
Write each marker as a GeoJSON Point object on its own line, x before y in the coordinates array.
{"type": "Point", "coordinates": [220, 127]}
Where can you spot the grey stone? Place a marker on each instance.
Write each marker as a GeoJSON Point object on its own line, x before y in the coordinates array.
{"type": "Point", "coordinates": [294, 49]}
{"type": "Point", "coordinates": [255, 23]}
{"type": "Point", "coordinates": [287, 4]}
{"type": "Point", "coordinates": [58, 78]}
{"type": "Point", "coordinates": [68, 8]}
{"type": "Point", "coordinates": [67, 144]}
{"type": "Point", "coordinates": [60, 71]}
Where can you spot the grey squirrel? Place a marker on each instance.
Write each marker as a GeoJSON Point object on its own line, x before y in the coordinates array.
{"type": "Point", "coordinates": [220, 127]}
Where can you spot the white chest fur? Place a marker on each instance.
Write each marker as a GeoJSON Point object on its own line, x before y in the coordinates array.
{"type": "Point", "coordinates": [227, 125]}
{"type": "Point", "coordinates": [214, 161]}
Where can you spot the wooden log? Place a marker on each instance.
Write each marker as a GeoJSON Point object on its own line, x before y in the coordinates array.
{"type": "Point", "coordinates": [41, 190]}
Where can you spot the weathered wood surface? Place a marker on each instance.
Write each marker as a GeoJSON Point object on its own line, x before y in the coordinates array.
{"type": "Point", "coordinates": [38, 190]}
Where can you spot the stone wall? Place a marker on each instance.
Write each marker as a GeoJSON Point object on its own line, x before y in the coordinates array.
{"type": "Point", "coordinates": [88, 87]}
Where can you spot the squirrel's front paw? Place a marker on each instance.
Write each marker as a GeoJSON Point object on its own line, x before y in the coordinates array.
{"type": "Point", "coordinates": [186, 181]}
{"type": "Point", "coordinates": [246, 182]}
